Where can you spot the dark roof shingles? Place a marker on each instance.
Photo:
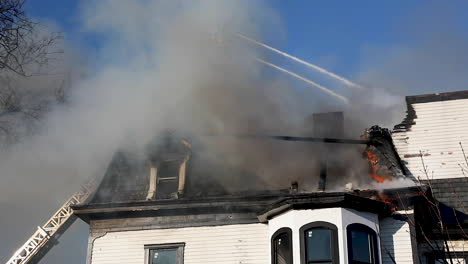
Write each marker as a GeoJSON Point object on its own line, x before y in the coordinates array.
{"type": "Point", "coordinates": [452, 192]}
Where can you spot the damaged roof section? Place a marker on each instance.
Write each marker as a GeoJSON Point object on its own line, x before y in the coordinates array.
{"type": "Point", "coordinates": [411, 116]}
{"type": "Point", "coordinates": [385, 161]}
{"type": "Point", "coordinates": [169, 170]}
{"type": "Point", "coordinates": [126, 179]}
{"type": "Point", "coordinates": [174, 169]}
{"type": "Point", "coordinates": [431, 138]}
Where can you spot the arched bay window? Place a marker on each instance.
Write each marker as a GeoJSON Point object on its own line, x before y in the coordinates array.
{"type": "Point", "coordinates": [281, 246]}
{"type": "Point", "coordinates": [319, 243]}
{"type": "Point", "coordinates": [362, 245]}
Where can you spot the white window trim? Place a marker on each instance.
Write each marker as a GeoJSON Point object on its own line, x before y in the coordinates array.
{"type": "Point", "coordinates": [152, 183]}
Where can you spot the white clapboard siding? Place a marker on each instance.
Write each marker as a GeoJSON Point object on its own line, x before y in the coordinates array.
{"type": "Point", "coordinates": [395, 241]}
{"type": "Point", "coordinates": [438, 129]}
{"type": "Point", "coordinates": [246, 243]}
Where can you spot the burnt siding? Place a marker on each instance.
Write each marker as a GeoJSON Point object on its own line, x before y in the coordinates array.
{"type": "Point", "coordinates": [438, 125]}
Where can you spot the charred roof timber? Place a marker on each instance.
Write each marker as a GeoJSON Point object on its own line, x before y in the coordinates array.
{"type": "Point", "coordinates": [291, 138]}
{"type": "Point", "coordinates": [381, 145]}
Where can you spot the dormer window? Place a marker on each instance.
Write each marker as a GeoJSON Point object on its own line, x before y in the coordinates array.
{"type": "Point", "coordinates": [168, 179]}
{"type": "Point", "coordinates": [362, 244]}
{"type": "Point", "coordinates": [167, 171]}
{"type": "Point", "coordinates": [319, 243]}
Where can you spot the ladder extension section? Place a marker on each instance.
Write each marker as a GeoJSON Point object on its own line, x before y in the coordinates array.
{"type": "Point", "coordinates": [43, 234]}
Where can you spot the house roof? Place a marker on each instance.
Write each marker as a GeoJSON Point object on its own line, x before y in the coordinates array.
{"type": "Point", "coordinates": [124, 188]}
{"type": "Point", "coordinates": [452, 192]}
{"type": "Point", "coordinates": [265, 205]}
{"type": "Point", "coordinates": [432, 137]}
{"type": "Point", "coordinates": [325, 200]}
{"type": "Point", "coordinates": [436, 97]}
{"type": "Point", "coordinates": [127, 177]}
{"type": "Point", "coordinates": [411, 115]}
{"type": "Point", "coordinates": [127, 180]}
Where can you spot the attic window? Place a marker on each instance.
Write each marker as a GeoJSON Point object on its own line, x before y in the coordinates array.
{"type": "Point", "coordinates": [168, 178]}
{"type": "Point", "coordinates": [167, 170]}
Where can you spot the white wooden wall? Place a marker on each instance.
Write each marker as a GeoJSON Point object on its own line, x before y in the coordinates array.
{"type": "Point", "coordinates": [439, 128]}
{"type": "Point", "coordinates": [229, 244]}
{"type": "Point", "coordinates": [395, 240]}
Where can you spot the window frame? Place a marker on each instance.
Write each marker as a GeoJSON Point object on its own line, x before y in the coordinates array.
{"type": "Point", "coordinates": [278, 232]}
{"type": "Point", "coordinates": [178, 246]}
{"type": "Point", "coordinates": [375, 245]}
{"type": "Point", "coordinates": [335, 254]}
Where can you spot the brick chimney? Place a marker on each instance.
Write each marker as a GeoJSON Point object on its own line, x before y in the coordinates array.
{"type": "Point", "coordinates": [327, 125]}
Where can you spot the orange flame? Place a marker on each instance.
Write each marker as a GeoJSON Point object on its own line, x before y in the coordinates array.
{"type": "Point", "coordinates": [392, 203]}
{"type": "Point", "coordinates": [373, 166]}
{"type": "Point", "coordinates": [383, 197]}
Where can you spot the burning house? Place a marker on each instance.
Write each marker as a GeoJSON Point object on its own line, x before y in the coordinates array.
{"type": "Point", "coordinates": [170, 205]}
{"type": "Point", "coordinates": [243, 174]}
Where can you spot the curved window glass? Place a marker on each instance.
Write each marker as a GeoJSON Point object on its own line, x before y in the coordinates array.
{"type": "Point", "coordinates": [362, 245]}
{"type": "Point", "coordinates": [319, 243]}
{"type": "Point", "coordinates": [281, 246]}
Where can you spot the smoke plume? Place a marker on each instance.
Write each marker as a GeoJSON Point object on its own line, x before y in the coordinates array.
{"type": "Point", "coordinates": [179, 65]}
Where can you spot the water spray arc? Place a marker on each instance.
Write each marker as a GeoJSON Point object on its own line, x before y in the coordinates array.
{"type": "Point", "coordinates": [313, 66]}
{"type": "Point", "coordinates": [321, 87]}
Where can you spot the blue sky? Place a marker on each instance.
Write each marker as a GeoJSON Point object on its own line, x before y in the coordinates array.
{"type": "Point", "coordinates": [331, 32]}
{"type": "Point", "coordinates": [347, 37]}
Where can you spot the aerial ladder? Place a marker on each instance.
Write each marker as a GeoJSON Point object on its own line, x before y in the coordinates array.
{"type": "Point", "coordinates": [46, 236]}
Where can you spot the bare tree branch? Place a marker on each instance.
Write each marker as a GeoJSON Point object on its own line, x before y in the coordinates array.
{"type": "Point", "coordinates": [20, 44]}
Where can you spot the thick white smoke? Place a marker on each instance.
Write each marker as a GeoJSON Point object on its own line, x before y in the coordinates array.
{"type": "Point", "coordinates": [165, 64]}
{"type": "Point", "coordinates": [178, 65]}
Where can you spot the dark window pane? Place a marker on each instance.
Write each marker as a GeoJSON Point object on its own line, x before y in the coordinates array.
{"type": "Point", "coordinates": [168, 179]}
{"type": "Point", "coordinates": [318, 243]}
{"type": "Point", "coordinates": [169, 169]}
{"type": "Point", "coordinates": [362, 246]}
{"type": "Point", "coordinates": [282, 247]}
{"type": "Point", "coordinates": [164, 256]}
{"type": "Point", "coordinates": [166, 189]}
